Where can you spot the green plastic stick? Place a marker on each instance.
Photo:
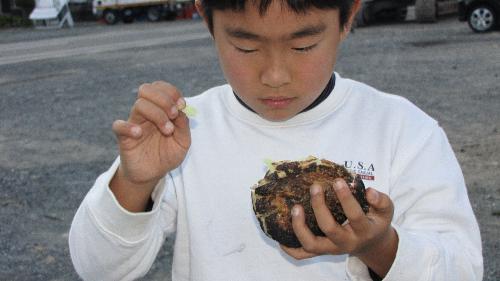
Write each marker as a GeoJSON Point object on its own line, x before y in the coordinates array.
{"type": "Point", "coordinates": [189, 111]}
{"type": "Point", "coordinates": [269, 163]}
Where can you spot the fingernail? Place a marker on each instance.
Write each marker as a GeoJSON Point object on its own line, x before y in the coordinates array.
{"type": "Point", "coordinates": [338, 185]}
{"type": "Point", "coordinates": [315, 189]}
{"type": "Point", "coordinates": [174, 111]}
{"type": "Point", "coordinates": [295, 211]}
{"type": "Point", "coordinates": [181, 103]}
{"type": "Point", "coordinates": [169, 127]}
{"type": "Point", "coordinates": [136, 131]}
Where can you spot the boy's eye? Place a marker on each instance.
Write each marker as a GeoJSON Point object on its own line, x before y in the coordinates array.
{"type": "Point", "coordinates": [305, 49]}
{"type": "Point", "coordinates": [245, 51]}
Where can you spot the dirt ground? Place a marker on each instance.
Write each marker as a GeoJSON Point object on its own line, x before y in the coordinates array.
{"type": "Point", "coordinates": [61, 90]}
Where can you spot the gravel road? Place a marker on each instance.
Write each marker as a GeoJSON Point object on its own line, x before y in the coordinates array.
{"type": "Point", "coordinates": [60, 91]}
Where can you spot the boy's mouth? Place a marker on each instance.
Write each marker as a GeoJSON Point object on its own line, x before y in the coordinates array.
{"type": "Point", "coordinates": [277, 102]}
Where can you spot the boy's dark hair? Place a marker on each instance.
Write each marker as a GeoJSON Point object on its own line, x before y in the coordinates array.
{"type": "Point", "coordinates": [298, 6]}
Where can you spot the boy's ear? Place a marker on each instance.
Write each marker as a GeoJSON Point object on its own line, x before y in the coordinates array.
{"type": "Point", "coordinates": [355, 9]}
{"type": "Point", "coordinates": [199, 8]}
{"type": "Point", "coordinates": [201, 12]}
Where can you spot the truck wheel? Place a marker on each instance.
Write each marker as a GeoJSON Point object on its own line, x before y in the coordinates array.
{"type": "Point", "coordinates": [481, 19]}
{"type": "Point", "coordinates": [128, 16]}
{"type": "Point", "coordinates": [426, 10]}
{"type": "Point", "coordinates": [110, 16]}
{"type": "Point", "coordinates": [154, 13]}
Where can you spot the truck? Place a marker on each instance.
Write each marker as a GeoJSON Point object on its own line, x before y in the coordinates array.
{"type": "Point", "coordinates": [112, 11]}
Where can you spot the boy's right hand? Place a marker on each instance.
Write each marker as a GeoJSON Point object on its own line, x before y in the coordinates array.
{"type": "Point", "coordinates": [156, 137]}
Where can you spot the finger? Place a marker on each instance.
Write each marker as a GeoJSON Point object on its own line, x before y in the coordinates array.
{"type": "Point", "coordinates": [310, 242]}
{"type": "Point", "coordinates": [124, 129]}
{"type": "Point", "coordinates": [323, 215]}
{"type": "Point", "coordinates": [297, 253]}
{"type": "Point", "coordinates": [182, 121]}
{"type": "Point", "coordinates": [174, 92]}
{"type": "Point", "coordinates": [146, 110]}
{"type": "Point", "coordinates": [182, 133]}
{"type": "Point", "coordinates": [380, 203]}
{"type": "Point", "coordinates": [357, 218]}
{"type": "Point", "coordinates": [163, 98]}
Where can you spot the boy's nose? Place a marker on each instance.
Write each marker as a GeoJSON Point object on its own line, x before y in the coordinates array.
{"type": "Point", "coordinates": [275, 74]}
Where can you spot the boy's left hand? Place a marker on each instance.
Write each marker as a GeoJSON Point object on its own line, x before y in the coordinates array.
{"type": "Point", "coordinates": [370, 236]}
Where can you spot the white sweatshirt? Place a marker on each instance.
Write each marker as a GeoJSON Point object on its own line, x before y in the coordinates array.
{"type": "Point", "coordinates": [206, 202]}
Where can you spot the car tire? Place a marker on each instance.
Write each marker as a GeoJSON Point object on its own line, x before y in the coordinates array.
{"type": "Point", "coordinates": [153, 13]}
{"type": "Point", "coordinates": [128, 15]}
{"type": "Point", "coordinates": [426, 10]}
{"type": "Point", "coordinates": [110, 16]}
{"type": "Point", "coordinates": [482, 18]}
{"type": "Point", "coordinates": [401, 15]}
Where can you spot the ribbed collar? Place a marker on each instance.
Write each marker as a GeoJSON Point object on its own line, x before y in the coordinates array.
{"type": "Point", "coordinates": [330, 104]}
{"type": "Point", "coordinates": [323, 96]}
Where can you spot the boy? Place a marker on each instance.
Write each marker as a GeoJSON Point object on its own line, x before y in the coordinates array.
{"type": "Point", "coordinates": [282, 103]}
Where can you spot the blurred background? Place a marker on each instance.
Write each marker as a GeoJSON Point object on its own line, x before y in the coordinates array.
{"type": "Point", "coordinates": [69, 69]}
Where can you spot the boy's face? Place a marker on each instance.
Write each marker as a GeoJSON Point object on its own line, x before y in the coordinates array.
{"type": "Point", "coordinates": [278, 63]}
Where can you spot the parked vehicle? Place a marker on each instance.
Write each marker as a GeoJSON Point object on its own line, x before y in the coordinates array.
{"type": "Point", "coordinates": [396, 10]}
{"type": "Point", "coordinates": [375, 10]}
{"type": "Point", "coordinates": [127, 11]}
{"type": "Point", "coordinates": [482, 15]}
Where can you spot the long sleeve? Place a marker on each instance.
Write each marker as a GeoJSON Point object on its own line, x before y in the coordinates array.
{"type": "Point", "coordinates": [438, 234]}
{"type": "Point", "coordinates": [109, 243]}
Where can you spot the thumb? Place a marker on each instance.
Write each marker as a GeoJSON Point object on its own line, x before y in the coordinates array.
{"type": "Point", "coordinates": [182, 131]}
{"type": "Point", "coordinates": [380, 203]}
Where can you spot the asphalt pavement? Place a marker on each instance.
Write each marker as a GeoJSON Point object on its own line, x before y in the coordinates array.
{"type": "Point", "coordinates": [60, 91]}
